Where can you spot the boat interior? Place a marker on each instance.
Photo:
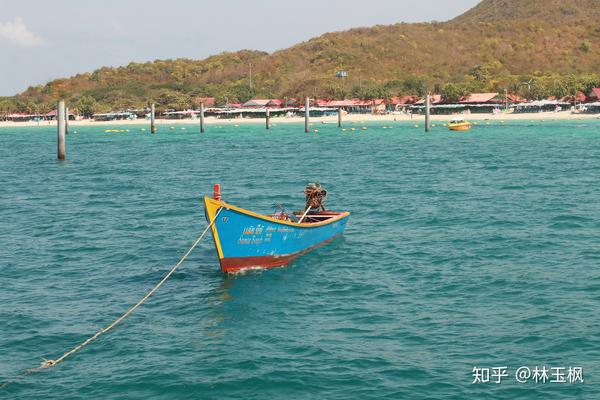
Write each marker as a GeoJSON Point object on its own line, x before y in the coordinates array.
{"type": "Point", "coordinates": [316, 217]}
{"type": "Point", "coordinates": [308, 219]}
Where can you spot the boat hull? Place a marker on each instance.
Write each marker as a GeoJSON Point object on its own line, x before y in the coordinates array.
{"type": "Point", "coordinates": [462, 127]}
{"type": "Point", "coordinates": [248, 240]}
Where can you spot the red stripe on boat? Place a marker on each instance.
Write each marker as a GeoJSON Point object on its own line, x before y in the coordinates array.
{"type": "Point", "coordinates": [235, 264]}
{"type": "Point", "coordinates": [232, 265]}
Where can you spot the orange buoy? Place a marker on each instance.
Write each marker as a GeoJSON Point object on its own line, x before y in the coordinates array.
{"type": "Point", "coordinates": [217, 191]}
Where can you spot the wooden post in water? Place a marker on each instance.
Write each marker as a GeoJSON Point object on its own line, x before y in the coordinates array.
{"type": "Point", "coordinates": [201, 117]}
{"type": "Point", "coordinates": [340, 117]}
{"type": "Point", "coordinates": [268, 119]}
{"type": "Point", "coordinates": [307, 115]}
{"type": "Point", "coordinates": [66, 120]}
{"type": "Point", "coordinates": [60, 123]}
{"type": "Point", "coordinates": [152, 117]}
{"type": "Point", "coordinates": [427, 111]}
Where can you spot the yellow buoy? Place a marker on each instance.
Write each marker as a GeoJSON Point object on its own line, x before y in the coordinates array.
{"type": "Point", "coordinates": [364, 128]}
{"type": "Point", "coordinates": [353, 129]}
{"type": "Point", "coordinates": [416, 126]}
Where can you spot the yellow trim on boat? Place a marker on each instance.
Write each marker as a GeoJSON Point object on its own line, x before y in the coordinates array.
{"type": "Point", "coordinates": [214, 204]}
{"type": "Point", "coordinates": [212, 207]}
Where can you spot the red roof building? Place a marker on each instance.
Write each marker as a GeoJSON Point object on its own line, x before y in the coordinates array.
{"type": "Point", "coordinates": [435, 99]}
{"type": "Point", "coordinates": [208, 101]}
{"type": "Point", "coordinates": [580, 97]}
{"type": "Point", "coordinates": [403, 100]}
{"type": "Point", "coordinates": [358, 105]}
{"type": "Point", "coordinates": [594, 94]}
{"type": "Point", "coordinates": [262, 103]}
{"type": "Point", "coordinates": [341, 103]}
{"type": "Point", "coordinates": [479, 98]}
{"type": "Point", "coordinates": [515, 98]}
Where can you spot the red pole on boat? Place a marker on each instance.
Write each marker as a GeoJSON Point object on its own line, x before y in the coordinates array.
{"type": "Point", "coordinates": [217, 192]}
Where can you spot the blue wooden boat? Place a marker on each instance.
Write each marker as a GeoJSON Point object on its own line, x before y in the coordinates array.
{"type": "Point", "coordinates": [245, 239]}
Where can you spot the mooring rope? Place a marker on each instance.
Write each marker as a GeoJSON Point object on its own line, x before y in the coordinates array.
{"type": "Point", "coordinates": [51, 363]}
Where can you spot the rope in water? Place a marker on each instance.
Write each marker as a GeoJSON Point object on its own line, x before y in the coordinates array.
{"type": "Point", "coordinates": [51, 363]}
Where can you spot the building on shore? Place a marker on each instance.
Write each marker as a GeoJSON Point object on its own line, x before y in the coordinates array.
{"type": "Point", "coordinates": [435, 99]}
{"type": "Point", "coordinates": [545, 105]}
{"type": "Point", "coordinates": [51, 116]}
{"type": "Point", "coordinates": [115, 116]}
{"type": "Point", "coordinates": [478, 103]}
{"type": "Point", "coordinates": [594, 95]}
{"type": "Point", "coordinates": [401, 103]}
{"type": "Point", "coordinates": [208, 102]}
{"type": "Point", "coordinates": [263, 103]}
{"type": "Point", "coordinates": [185, 114]}
{"type": "Point", "coordinates": [589, 108]}
{"type": "Point", "coordinates": [26, 117]}
{"type": "Point", "coordinates": [578, 98]}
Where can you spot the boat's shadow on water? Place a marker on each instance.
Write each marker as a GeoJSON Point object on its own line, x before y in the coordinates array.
{"type": "Point", "coordinates": [233, 300]}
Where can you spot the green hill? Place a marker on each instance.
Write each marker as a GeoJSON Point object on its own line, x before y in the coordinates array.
{"type": "Point", "coordinates": [497, 45]}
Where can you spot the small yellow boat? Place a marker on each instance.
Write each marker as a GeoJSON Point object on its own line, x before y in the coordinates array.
{"type": "Point", "coordinates": [459, 124]}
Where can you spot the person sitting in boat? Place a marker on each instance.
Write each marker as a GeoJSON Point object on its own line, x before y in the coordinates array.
{"type": "Point", "coordinates": [315, 198]}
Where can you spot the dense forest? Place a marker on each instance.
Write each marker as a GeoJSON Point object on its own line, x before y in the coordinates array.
{"type": "Point", "coordinates": [534, 48]}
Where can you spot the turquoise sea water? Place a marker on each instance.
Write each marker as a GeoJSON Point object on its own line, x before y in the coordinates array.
{"type": "Point", "coordinates": [463, 250]}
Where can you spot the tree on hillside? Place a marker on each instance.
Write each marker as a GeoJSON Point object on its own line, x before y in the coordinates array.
{"type": "Point", "coordinates": [86, 106]}
{"type": "Point", "coordinates": [370, 92]}
{"type": "Point", "coordinates": [452, 93]}
{"type": "Point", "coordinates": [480, 73]}
{"type": "Point", "coordinates": [7, 105]}
{"type": "Point", "coordinates": [414, 85]}
{"type": "Point", "coordinates": [241, 92]}
{"type": "Point", "coordinates": [170, 99]}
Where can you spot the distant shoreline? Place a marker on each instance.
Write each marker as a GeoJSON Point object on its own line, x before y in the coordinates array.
{"type": "Point", "coordinates": [351, 118]}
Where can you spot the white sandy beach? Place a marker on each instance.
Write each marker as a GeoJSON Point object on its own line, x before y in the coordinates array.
{"type": "Point", "coordinates": [350, 118]}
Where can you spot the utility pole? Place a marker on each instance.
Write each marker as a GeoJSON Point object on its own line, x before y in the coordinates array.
{"type": "Point", "coordinates": [202, 117]}
{"type": "Point", "coordinates": [61, 130]}
{"type": "Point", "coordinates": [152, 118]}
{"type": "Point", "coordinates": [307, 115]}
{"type": "Point", "coordinates": [427, 111]}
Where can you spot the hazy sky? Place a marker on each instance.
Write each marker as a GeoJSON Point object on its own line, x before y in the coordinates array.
{"type": "Point", "coordinates": [47, 39]}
